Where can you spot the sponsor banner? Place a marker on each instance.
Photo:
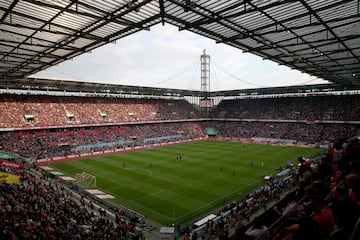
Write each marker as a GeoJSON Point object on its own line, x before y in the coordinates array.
{"type": "Point", "coordinates": [11, 165]}
{"type": "Point", "coordinates": [46, 168]}
{"type": "Point", "coordinates": [206, 103]}
{"type": "Point", "coordinates": [205, 220]}
{"type": "Point", "coordinates": [82, 155]}
{"type": "Point", "coordinates": [105, 196]}
{"type": "Point", "coordinates": [42, 160]}
{"type": "Point", "coordinates": [66, 178]}
{"type": "Point", "coordinates": [6, 156]}
{"type": "Point", "coordinates": [167, 230]}
{"type": "Point", "coordinates": [94, 191]}
{"type": "Point", "coordinates": [9, 178]}
{"type": "Point", "coordinates": [57, 173]}
{"type": "Point", "coordinates": [6, 129]}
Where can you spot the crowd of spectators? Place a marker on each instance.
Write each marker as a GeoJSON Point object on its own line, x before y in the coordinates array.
{"type": "Point", "coordinates": [47, 143]}
{"type": "Point", "coordinates": [334, 107]}
{"type": "Point", "coordinates": [322, 204]}
{"type": "Point", "coordinates": [236, 211]}
{"type": "Point", "coordinates": [297, 132]}
{"type": "Point", "coordinates": [40, 209]}
{"type": "Point", "coordinates": [326, 204]}
{"type": "Point", "coordinates": [41, 110]}
{"type": "Point", "coordinates": [64, 141]}
{"type": "Point", "coordinates": [329, 190]}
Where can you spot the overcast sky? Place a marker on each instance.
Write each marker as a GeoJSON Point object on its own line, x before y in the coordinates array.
{"type": "Point", "coordinates": [168, 58]}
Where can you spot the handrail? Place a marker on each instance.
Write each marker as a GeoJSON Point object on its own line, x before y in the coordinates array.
{"type": "Point", "coordinates": [356, 230]}
{"type": "Point", "coordinates": [280, 219]}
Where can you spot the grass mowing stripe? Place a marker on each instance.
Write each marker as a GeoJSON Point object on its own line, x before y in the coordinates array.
{"type": "Point", "coordinates": [159, 186]}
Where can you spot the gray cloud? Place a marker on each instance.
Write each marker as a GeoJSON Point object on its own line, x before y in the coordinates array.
{"type": "Point", "coordinates": [165, 57]}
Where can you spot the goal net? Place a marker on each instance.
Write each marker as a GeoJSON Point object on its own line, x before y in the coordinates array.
{"type": "Point", "coordinates": [85, 180]}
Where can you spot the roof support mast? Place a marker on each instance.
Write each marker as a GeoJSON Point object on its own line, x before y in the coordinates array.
{"type": "Point", "coordinates": [205, 101]}
{"type": "Point", "coordinates": [205, 73]}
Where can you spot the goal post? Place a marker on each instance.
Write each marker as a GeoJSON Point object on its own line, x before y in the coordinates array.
{"type": "Point", "coordinates": [85, 180]}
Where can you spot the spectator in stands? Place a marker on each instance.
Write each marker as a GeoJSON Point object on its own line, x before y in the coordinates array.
{"type": "Point", "coordinates": [320, 213]}
{"type": "Point", "coordinates": [36, 209]}
{"type": "Point", "coordinates": [186, 236]}
{"type": "Point", "coordinates": [352, 182]}
{"type": "Point", "coordinates": [308, 230]}
{"type": "Point", "coordinates": [258, 229]}
{"type": "Point", "coordinates": [346, 213]}
{"type": "Point", "coordinates": [323, 216]}
{"type": "Point", "coordinates": [41, 110]}
{"type": "Point", "coordinates": [239, 230]}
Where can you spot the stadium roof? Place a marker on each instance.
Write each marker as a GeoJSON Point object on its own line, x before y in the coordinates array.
{"type": "Point", "coordinates": [318, 37]}
{"type": "Point", "coordinates": [51, 86]}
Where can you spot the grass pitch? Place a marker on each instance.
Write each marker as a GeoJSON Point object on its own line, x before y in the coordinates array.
{"type": "Point", "coordinates": [167, 190]}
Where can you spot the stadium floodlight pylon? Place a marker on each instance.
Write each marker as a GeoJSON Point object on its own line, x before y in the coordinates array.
{"type": "Point", "coordinates": [85, 180]}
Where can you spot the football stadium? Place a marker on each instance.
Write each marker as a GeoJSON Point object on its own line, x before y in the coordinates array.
{"type": "Point", "coordinates": [92, 160]}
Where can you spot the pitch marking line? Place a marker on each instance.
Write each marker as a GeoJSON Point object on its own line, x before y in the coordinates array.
{"type": "Point", "coordinates": [210, 203]}
{"type": "Point", "coordinates": [140, 170]}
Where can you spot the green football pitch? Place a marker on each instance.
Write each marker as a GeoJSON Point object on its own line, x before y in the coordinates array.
{"type": "Point", "coordinates": [167, 190]}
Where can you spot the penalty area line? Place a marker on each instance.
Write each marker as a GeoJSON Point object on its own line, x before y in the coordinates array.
{"type": "Point", "coordinates": [140, 170]}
